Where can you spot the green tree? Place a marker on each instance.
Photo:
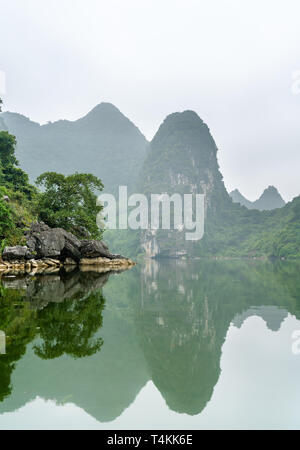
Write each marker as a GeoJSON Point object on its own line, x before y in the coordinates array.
{"type": "Point", "coordinates": [6, 219]}
{"type": "Point", "coordinates": [70, 202]}
{"type": "Point", "coordinates": [12, 176]}
{"type": "Point", "coordinates": [16, 193]}
{"type": "Point", "coordinates": [7, 149]}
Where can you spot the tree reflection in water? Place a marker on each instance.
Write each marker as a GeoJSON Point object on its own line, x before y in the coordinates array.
{"type": "Point", "coordinates": [65, 311]}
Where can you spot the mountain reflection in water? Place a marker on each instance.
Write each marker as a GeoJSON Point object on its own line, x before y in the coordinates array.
{"type": "Point", "coordinates": [97, 339]}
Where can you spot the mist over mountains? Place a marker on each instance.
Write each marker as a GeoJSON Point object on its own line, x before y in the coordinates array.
{"type": "Point", "coordinates": [104, 142]}
{"type": "Point", "coordinates": [270, 199]}
{"type": "Point", "coordinates": [2, 125]}
{"type": "Point", "coordinates": [181, 158]}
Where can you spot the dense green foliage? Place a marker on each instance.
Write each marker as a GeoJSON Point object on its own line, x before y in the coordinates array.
{"type": "Point", "coordinates": [70, 202]}
{"type": "Point", "coordinates": [11, 176]}
{"type": "Point", "coordinates": [236, 231]}
{"type": "Point", "coordinates": [17, 196]}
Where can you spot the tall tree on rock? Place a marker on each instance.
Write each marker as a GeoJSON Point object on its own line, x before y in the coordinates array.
{"type": "Point", "coordinates": [70, 202]}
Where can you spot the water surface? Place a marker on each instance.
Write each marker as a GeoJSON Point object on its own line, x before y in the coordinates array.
{"type": "Point", "coordinates": [166, 345]}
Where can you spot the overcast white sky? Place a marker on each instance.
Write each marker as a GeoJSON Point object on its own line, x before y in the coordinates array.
{"type": "Point", "coordinates": [229, 60]}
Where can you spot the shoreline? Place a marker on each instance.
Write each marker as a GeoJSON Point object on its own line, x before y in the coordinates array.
{"type": "Point", "coordinates": [49, 265]}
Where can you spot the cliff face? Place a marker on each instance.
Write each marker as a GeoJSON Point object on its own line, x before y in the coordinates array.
{"type": "Point", "coordinates": [104, 143]}
{"type": "Point", "coordinates": [270, 199]}
{"type": "Point", "coordinates": [182, 159]}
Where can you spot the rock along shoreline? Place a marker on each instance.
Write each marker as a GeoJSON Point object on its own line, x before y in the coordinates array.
{"type": "Point", "coordinates": [50, 249]}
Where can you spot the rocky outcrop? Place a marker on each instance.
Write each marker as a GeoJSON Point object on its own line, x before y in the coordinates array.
{"type": "Point", "coordinates": [54, 247]}
{"type": "Point", "coordinates": [115, 263]}
{"type": "Point", "coordinates": [95, 249]}
{"type": "Point", "coordinates": [46, 242]}
{"type": "Point", "coordinates": [182, 159]}
{"type": "Point", "coordinates": [18, 253]}
{"type": "Point", "coordinates": [30, 266]}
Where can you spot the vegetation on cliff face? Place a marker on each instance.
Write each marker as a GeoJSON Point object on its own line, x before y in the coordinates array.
{"type": "Point", "coordinates": [17, 196]}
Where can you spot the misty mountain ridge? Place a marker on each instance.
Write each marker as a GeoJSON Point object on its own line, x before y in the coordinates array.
{"type": "Point", "coordinates": [104, 142]}
{"type": "Point", "coordinates": [270, 199]}
{"type": "Point", "coordinates": [2, 125]}
{"type": "Point", "coordinates": [181, 158]}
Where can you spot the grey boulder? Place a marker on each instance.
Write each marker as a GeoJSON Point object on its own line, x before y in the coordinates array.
{"type": "Point", "coordinates": [94, 249]}
{"type": "Point", "coordinates": [17, 253]}
{"type": "Point", "coordinates": [46, 242]}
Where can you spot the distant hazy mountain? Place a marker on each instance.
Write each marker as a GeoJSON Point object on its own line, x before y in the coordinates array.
{"type": "Point", "coordinates": [237, 197]}
{"type": "Point", "coordinates": [104, 143]}
{"type": "Point", "coordinates": [270, 199]}
{"type": "Point", "coordinates": [2, 125]}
